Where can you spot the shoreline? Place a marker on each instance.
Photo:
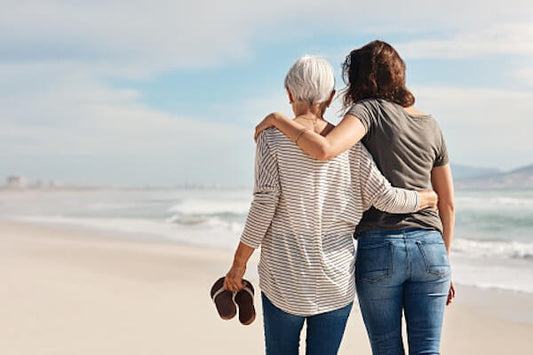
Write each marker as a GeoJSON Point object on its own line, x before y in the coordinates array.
{"type": "Point", "coordinates": [74, 290]}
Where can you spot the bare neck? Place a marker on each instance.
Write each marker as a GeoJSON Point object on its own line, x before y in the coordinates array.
{"type": "Point", "coordinates": [309, 111]}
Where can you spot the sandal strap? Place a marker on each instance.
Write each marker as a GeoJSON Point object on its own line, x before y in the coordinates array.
{"type": "Point", "coordinates": [247, 289]}
{"type": "Point", "coordinates": [219, 291]}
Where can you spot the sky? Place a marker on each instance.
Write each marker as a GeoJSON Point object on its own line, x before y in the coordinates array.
{"type": "Point", "coordinates": [167, 93]}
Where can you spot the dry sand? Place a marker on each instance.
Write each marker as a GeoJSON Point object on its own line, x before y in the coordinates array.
{"type": "Point", "coordinates": [72, 291]}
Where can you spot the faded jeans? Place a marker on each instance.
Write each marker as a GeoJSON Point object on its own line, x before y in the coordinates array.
{"type": "Point", "coordinates": [282, 330]}
{"type": "Point", "coordinates": [405, 271]}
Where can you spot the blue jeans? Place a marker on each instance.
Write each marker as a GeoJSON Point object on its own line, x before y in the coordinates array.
{"type": "Point", "coordinates": [282, 330]}
{"type": "Point", "coordinates": [405, 271]}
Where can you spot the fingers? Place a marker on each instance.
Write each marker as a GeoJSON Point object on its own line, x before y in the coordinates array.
{"type": "Point", "coordinates": [435, 199]}
{"type": "Point", "coordinates": [233, 285]}
{"type": "Point", "coordinates": [233, 281]}
{"type": "Point", "coordinates": [451, 294]}
{"type": "Point", "coordinates": [260, 128]}
{"type": "Point", "coordinates": [264, 124]}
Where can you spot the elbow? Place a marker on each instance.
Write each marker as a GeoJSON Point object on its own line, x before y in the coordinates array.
{"type": "Point", "coordinates": [324, 154]}
{"type": "Point", "coordinates": [322, 157]}
{"type": "Point", "coordinates": [451, 208]}
{"type": "Point", "coordinates": [448, 206]}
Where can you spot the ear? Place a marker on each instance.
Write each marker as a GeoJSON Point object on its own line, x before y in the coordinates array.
{"type": "Point", "coordinates": [291, 100]}
{"type": "Point", "coordinates": [328, 102]}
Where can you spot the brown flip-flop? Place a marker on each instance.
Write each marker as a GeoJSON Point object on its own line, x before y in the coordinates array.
{"type": "Point", "coordinates": [223, 300]}
{"type": "Point", "coordinates": [245, 300]}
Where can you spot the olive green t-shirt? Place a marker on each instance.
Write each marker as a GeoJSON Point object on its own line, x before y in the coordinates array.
{"type": "Point", "coordinates": [405, 148]}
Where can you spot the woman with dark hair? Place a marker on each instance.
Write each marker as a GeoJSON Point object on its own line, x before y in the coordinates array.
{"type": "Point", "coordinates": [402, 260]}
{"type": "Point", "coordinates": [303, 216]}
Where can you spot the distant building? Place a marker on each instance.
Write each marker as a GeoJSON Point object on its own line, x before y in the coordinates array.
{"type": "Point", "coordinates": [44, 184]}
{"type": "Point", "coordinates": [17, 181]}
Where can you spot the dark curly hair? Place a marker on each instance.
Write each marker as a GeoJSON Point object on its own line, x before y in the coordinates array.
{"type": "Point", "coordinates": [375, 71]}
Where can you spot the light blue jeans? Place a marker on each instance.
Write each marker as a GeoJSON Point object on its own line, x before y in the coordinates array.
{"type": "Point", "coordinates": [282, 330]}
{"type": "Point", "coordinates": [405, 271]}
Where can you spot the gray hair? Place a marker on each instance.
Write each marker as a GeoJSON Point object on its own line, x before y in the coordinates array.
{"type": "Point", "coordinates": [310, 79]}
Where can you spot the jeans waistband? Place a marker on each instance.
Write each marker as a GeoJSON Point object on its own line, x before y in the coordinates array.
{"type": "Point", "coordinates": [401, 233]}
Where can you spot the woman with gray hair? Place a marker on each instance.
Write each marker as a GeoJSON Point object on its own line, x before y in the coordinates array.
{"type": "Point", "coordinates": [303, 216]}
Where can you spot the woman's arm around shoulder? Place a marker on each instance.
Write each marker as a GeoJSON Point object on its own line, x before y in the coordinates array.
{"type": "Point", "coordinates": [347, 133]}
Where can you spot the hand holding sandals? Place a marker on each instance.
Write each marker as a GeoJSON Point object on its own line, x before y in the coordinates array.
{"type": "Point", "coordinates": [233, 281]}
{"type": "Point", "coordinates": [233, 291]}
{"type": "Point", "coordinates": [226, 302]}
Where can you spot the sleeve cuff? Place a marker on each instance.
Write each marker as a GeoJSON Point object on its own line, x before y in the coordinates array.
{"type": "Point", "coordinates": [248, 241]}
{"type": "Point", "coordinates": [418, 201]}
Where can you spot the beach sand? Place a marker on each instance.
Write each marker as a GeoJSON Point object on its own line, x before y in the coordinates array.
{"type": "Point", "coordinates": [73, 291]}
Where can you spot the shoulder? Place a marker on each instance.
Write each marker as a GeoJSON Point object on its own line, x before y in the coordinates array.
{"type": "Point", "coordinates": [271, 138]}
{"type": "Point", "coordinates": [432, 124]}
{"type": "Point", "coordinates": [364, 105]}
{"type": "Point", "coordinates": [366, 111]}
{"type": "Point", "coordinates": [412, 114]}
{"type": "Point", "coordinates": [267, 135]}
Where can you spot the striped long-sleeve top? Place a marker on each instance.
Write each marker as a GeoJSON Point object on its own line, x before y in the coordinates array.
{"type": "Point", "coordinates": [303, 216]}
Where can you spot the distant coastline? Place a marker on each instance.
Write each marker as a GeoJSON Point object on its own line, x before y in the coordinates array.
{"type": "Point", "coordinates": [464, 176]}
{"type": "Point", "coordinates": [483, 178]}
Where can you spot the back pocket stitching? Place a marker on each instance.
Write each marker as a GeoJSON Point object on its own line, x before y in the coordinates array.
{"type": "Point", "coordinates": [388, 269]}
{"type": "Point", "coordinates": [426, 261]}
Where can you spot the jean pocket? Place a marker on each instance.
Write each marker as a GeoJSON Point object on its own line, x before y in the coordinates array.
{"type": "Point", "coordinates": [373, 262]}
{"type": "Point", "coordinates": [435, 257]}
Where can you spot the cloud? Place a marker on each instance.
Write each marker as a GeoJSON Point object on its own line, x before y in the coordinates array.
{"type": "Point", "coordinates": [524, 75]}
{"type": "Point", "coordinates": [142, 36]}
{"type": "Point", "coordinates": [57, 60]}
{"type": "Point", "coordinates": [507, 39]}
{"type": "Point", "coordinates": [76, 128]}
{"type": "Point", "coordinates": [80, 116]}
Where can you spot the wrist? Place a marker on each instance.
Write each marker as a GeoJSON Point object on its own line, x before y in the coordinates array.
{"type": "Point", "coordinates": [239, 263]}
{"type": "Point", "coordinates": [424, 201]}
{"type": "Point", "coordinates": [428, 198]}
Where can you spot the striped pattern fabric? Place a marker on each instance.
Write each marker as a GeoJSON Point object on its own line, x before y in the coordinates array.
{"type": "Point", "coordinates": [303, 216]}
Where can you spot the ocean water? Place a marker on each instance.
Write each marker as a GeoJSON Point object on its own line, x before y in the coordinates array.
{"type": "Point", "coordinates": [493, 245]}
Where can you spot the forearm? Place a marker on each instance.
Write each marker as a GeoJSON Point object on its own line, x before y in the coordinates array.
{"type": "Point", "coordinates": [310, 142]}
{"type": "Point", "coordinates": [341, 138]}
{"type": "Point", "coordinates": [242, 255]}
{"type": "Point", "coordinates": [442, 182]}
{"type": "Point", "coordinates": [447, 217]}
{"type": "Point", "coordinates": [396, 200]}
{"type": "Point", "coordinates": [287, 126]}
{"type": "Point", "coordinates": [233, 279]}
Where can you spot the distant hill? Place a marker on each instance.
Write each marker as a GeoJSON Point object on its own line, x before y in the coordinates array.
{"type": "Point", "coordinates": [528, 169]}
{"type": "Point", "coordinates": [462, 172]}
{"type": "Point", "coordinates": [468, 177]}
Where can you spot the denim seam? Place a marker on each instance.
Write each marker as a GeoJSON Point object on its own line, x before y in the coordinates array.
{"type": "Point", "coordinates": [407, 257]}
{"type": "Point", "coordinates": [426, 262]}
{"type": "Point", "coordinates": [390, 270]}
